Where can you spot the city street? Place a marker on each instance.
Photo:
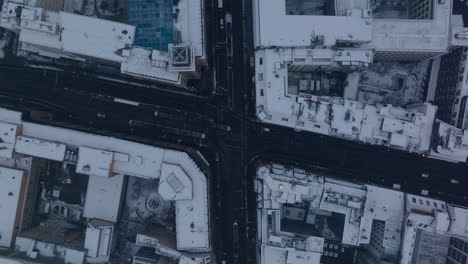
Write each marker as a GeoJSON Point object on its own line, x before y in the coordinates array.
{"type": "Point", "coordinates": [221, 125]}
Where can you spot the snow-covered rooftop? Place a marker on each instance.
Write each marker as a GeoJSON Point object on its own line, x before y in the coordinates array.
{"type": "Point", "coordinates": [331, 196]}
{"type": "Point", "coordinates": [40, 148]}
{"type": "Point", "coordinates": [408, 129]}
{"type": "Point", "coordinates": [8, 133]}
{"type": "Point", "coordinates": [103, 197]}
{"type": "Point", "coordinates": [190, 24]}
{"type": "Point", "coordinates": [174, 183]}
{"type": "Point", "coordinates": [451, 144]}
{"type": "Point", "coordinates": [277, 255]}
{"type": "Point", "coordinates": [192, 223]}
{"type": "Point", "coordinates": [94, 162]}
{"type": "Point", "coordinates": [275, 28]}
{"type": "Point", "coordinates": [353, 23]}
{"type": "Point", "coordinates": [381, 204]}
{"type": "Point", "coordinates": [149, 64]}
{"type": "Point", "coordinates": [459, 35]}
{"type": "Point", "coordinates": [402, 214]}
{"type": "Point", "coordinates": [142, 160]}
{"type": "Point", "coordinates": [11, 199]}
{"type": "Point", "coordinates": [40, 38]}
{"type": "Point", "coordinates": [459, 223]}
{"type": "Point", "coordinates": [415, 35]}
{"type": "Point", "coordinates": [348, 201]}
{"type": "Point", "coordinates": [94, 37]}
{"type": "Point", "coordinates": [115, 156]}
{"type": "Point", "coordinates": [67, 35]}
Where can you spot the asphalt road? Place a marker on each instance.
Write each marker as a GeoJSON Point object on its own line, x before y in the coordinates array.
{"type": "Point", "coordinates": [222, 126]}
{"type": "Point", "coordinates": [362, 162]}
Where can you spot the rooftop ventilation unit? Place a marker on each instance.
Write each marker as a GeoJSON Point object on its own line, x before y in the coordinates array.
{"type": "Point", "coordinates": [181, 57]}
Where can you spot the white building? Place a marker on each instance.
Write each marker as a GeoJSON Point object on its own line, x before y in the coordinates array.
{"type": "Point", "coordinates": [63, 35]}
{"type": "Point", "coordinates": [383, 223]}
{"type": "Point", "coordinates": [352, 25]}
{"type": "Point", "coordinates": [288, 54]}
{"type": "Point", "coordinates": [409, 129]}
{"type": "Point", "coordinates": [13, 190]}
{"type": "Point", "coordinates": [108, 162]}
{"type": "Point", "coordinates": [450, 143]}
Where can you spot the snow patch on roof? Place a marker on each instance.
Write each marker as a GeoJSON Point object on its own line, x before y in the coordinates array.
{"type": "Point", "coordinates": [94, 162]}
{"type": "Point", "coordinates": [150, 64]}
{"type": "Point", "coordinates": [144, 161]}
{"type": "Point", "coordinates": [40, 148]}
{"type": "Point", "coordinates": [191, 215]}
{"type": "Point", "coordinates": [8, 133]}
{"type": "Point", "coordinates": [103, 197]}
{"type": "Point", "coordinates": [95, 37]}
{"type": "Point", "coordinates": [10, 196]}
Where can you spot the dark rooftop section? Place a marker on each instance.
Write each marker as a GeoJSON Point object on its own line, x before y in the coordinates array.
{"type": "Point", "coordinates": [154, 22]}
{"type": "Point", "coordinates": [461, 8]}
{"type": "Point", "coordinates": [310, 7]}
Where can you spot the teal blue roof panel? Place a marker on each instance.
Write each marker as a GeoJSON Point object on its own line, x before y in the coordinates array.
{"type": "Point", "coordinates": [153, 21]}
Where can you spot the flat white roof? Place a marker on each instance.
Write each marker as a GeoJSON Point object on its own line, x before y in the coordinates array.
{"type": "Point", "coordinates": [133, 159]}
{"type": "Point", "coordinates": [351, 228]}
{"type": "Point", "coordinates": [408, 35]}
{"type": "Point", "coordinates": [191, 215]}
{"type": "Point", "coordinates": [10, 116]}
{"type": "Point", "coordinates": [144, 160]}
{"type": "Point", "coordinates": [10, 200]}
{"type": "Point", "coordinates": [40, 148]}
{"type": "Point", "coordinates": [424, 204]}
{"type": "Point", "coordinates": [273, 27]}
{"type": "Point", "coordinates": [303, 257]}
{"type": "Point", "coordinates": [273, 255]}
{"type": "Point", "coordinates": [381, 204]}
{"type": "Point", "coordinates": [95, 162]}
{"type": "Point", "coordinates": [8, 134]}
{"type": "Point", "coordinates": [402, 127]}
{"type": "Point", "coordinates": [409, 129]}
{"type": "Point", "coordinates": [79, 35]}
{"type": "Point", "coordinates": [459, 224]}
{"type": "Point", "coordinates": [40, 38]}
{"type": "Point", "coordinates": [417, 35]}
{"type": "Point", "coordinates": [190, 23]}
{"type": "Point", "coordinates": [459, 31]}
{"type": "Point", "coordinates": [141, 62]}
{"type": "Point", "coordinates": [277, 255]}
{"type": "Point", "coordinates": [174, 183]}
{"type": "Point", "coordinates": [347, 118]}
{"type": "Point", "coordinates": [395, 208]}
{"type": "Point", "coordinates": [95, 37]}
{"type": "Point", "coordinates": [103, 197]}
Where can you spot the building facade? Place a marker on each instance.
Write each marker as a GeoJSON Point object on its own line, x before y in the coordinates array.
{"type": "Point", "coordinates": [457, 251]}
{"type": "Point", "coordinates": [53, 34]}
{"type": "Point", "coordinates": [420, 9]}
{"type": "Point", "coordinates": [449, 84]}
{"type": "Point", "coordinates": [66, 202]}
{"type": "Point", "coordinates": [375, 224]}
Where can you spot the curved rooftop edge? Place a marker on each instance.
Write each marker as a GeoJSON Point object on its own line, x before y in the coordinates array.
{"type": "Point", "coordinates": [107, 157]}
